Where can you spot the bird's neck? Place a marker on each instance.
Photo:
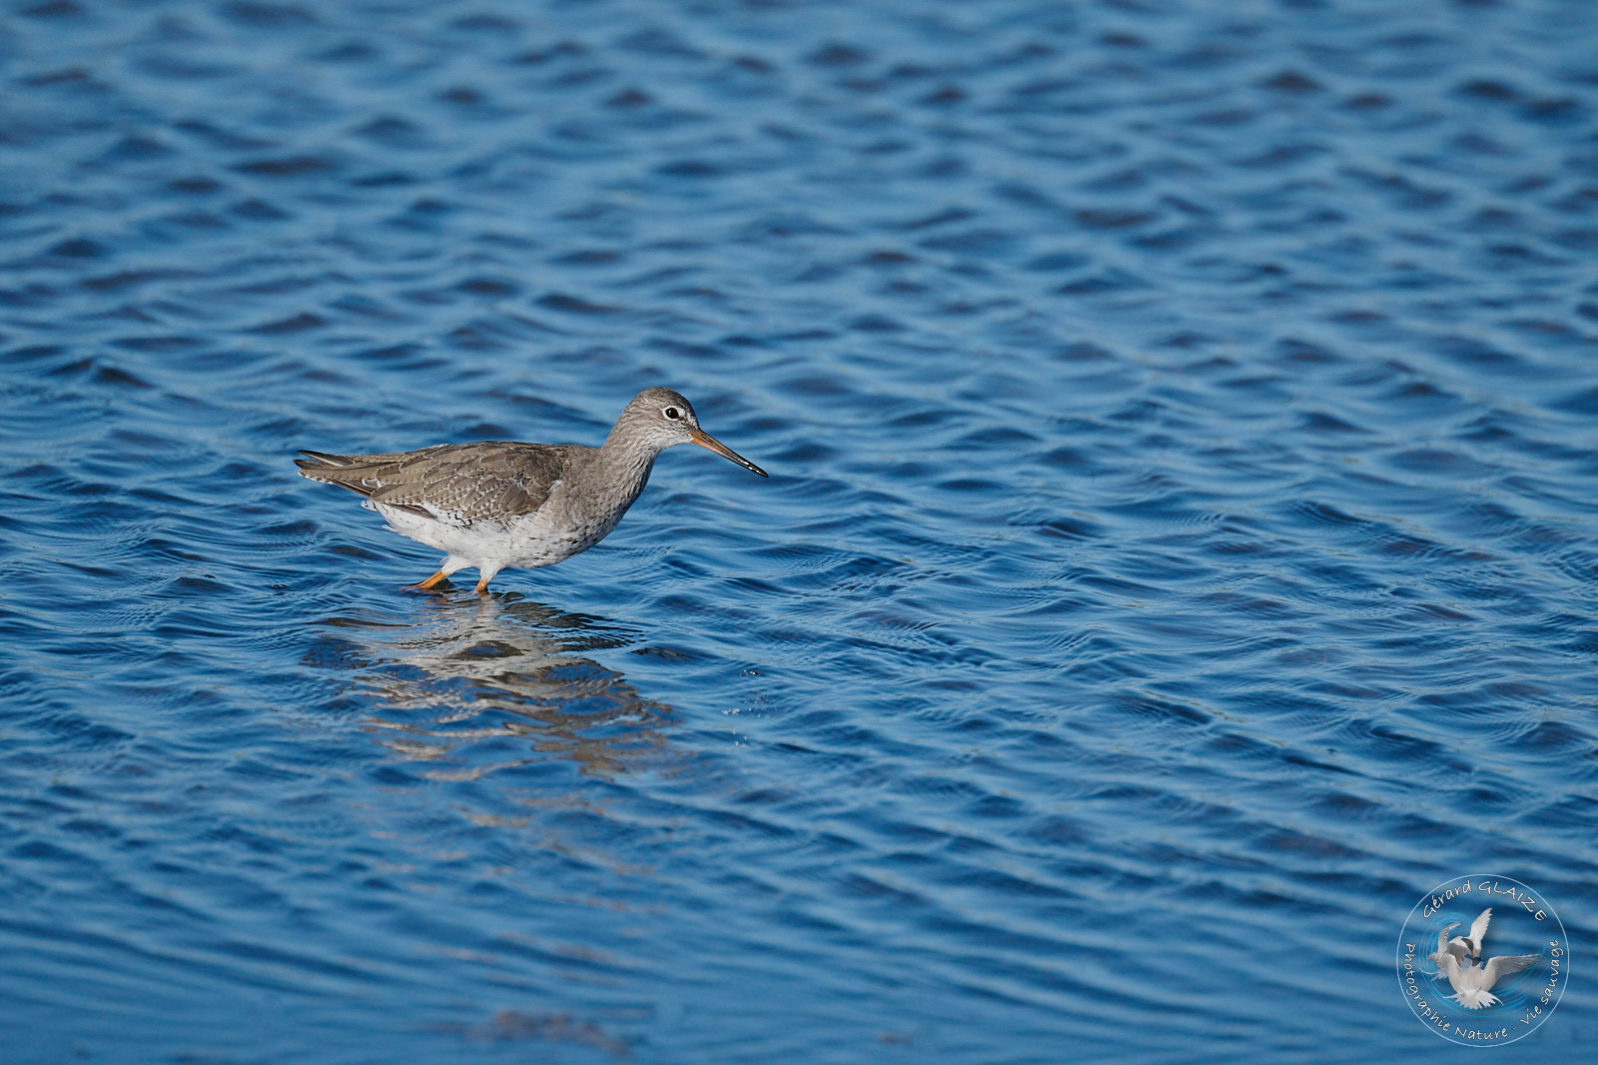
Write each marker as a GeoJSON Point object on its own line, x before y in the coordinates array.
{"type": "Point", "coordinates": [625, 462]}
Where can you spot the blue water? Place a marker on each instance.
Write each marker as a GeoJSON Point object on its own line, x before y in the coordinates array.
{"type": "Point", "coordinates": [1179, 553]}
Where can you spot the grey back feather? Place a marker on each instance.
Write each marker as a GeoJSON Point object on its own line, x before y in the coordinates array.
{"type": "Point", "coordinates": [459, 483]}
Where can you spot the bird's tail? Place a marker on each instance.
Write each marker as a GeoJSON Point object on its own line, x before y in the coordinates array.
{"type": "Point", "coordinates": [315, 460]}
{"type": "Point", "coordinates": [346, 471]}
{"type": "Point", "coordinates": [1475, 998]}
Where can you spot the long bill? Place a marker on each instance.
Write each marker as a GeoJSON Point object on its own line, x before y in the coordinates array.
{"type": "Point", "coordinates": [705, 440]}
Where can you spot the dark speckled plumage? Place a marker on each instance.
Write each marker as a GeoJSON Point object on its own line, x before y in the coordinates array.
{"type": "Point", "coordinates": [492, 480]}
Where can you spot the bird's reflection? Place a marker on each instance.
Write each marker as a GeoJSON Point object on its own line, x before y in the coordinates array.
{"type": "Point", "coordinates": [477, 683]}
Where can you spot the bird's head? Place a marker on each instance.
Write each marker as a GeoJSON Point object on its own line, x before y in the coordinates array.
{"type": "Point", "coordinates": [659, 418]}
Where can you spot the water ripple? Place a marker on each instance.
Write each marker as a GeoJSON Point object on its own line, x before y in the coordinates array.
{"type": "Point", "coordinates": [1177, 558]}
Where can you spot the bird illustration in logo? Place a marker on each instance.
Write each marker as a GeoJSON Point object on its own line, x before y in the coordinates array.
{"type": "Point", "coordinates": [1467, 949]}
{"type": "Point", "coordinates": [1473, 983]}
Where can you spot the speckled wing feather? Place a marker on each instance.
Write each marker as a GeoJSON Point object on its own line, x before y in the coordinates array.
{"type": "Point", "coordinates": [457, 483]}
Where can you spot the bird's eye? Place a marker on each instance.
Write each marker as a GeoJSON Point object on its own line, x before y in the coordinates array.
{"type": "Point", "coordinates": [673, 413]}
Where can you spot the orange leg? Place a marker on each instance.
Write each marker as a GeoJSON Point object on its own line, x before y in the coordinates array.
{"type": "Point", "coordinates": [482, 586]}
{"type": "Point", "coordinates": [436, 578]}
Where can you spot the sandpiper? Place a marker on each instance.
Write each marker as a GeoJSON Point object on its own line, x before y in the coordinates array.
{"type": "Point", "coordinates": [503, 503]}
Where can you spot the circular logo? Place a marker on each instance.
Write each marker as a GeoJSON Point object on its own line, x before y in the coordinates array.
{"type": "Point", "coordinates": [1483, 959]}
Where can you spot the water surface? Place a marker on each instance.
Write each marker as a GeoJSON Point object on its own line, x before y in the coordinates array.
{"type": "Point", "coordinates": [1178, 555]}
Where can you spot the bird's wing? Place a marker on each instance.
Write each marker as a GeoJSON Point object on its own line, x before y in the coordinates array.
{"type": "Point", "coordinates": [1442, 937]}
{"type": "Point", "coordinates": [457, 483]}
{"type": "Point", "coordinates": [1505, 964]}
{"type": "Point", "coordinates": [1478, 927]}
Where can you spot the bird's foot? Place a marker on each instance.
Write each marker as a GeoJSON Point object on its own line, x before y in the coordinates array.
{"type": "Point", "coordinates": [429, 584]}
